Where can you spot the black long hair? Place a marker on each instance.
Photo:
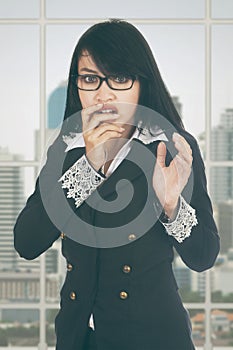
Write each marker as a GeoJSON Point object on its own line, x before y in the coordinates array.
{"type": "Point", "coordinates": [116, 46]}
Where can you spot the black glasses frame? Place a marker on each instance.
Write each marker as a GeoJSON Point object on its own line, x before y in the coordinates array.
{"type": "Point", "coordinates": [102, 79]}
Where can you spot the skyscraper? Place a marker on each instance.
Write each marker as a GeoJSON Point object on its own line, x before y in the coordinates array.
{"type": "Point", "coordinates": [225, 224]}
{"type": "Point", "coordinates": [11, 201]}
{"type": "Point", "coordinates": [221, 178]}
{"type": "Point", "coordinates": [56, 106]}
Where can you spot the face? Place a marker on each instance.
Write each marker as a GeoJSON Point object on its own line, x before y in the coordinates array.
{"type": "Point", "coordinates": [124, 101]}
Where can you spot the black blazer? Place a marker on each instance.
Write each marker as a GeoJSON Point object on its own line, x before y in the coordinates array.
{"type": "Point", "coordinates": [130, 288]}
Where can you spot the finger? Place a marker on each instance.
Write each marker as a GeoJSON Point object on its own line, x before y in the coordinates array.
{"type": "Point", "coordinates": [183, 148]}
{"type": "Point", "coordinates": [109, 135]}
{"type": "Point", "coordinates": [161, 154]}
{"type": "Point", "coordinates": [99, 118]}
{"type": "Point", "coordinates": [87, 112]}
{"type": "Point", "coordinates": [182, 168]}
{"type": "Point", "coordinates": [185, 156]}
{"type": "Point", "coordinates": [181, 140]}
{"type": "Point", "coordinates": [103, 128]}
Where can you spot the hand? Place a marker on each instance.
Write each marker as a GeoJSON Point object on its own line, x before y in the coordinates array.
{"type": "Point", "coordinates": [169, 181]}
{"type": "Point", "coordinates": [97, 129]}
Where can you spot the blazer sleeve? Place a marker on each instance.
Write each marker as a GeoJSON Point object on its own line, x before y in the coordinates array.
{"type": "Point", "coordinates": [199, 251]}
{"type": "Point", "coordinates": [34, 231]}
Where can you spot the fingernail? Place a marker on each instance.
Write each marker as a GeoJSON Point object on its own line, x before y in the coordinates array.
{"type": "Point", "coordinates": [122, 129]}
{"type": "Point", "coordinates": [176, 135]}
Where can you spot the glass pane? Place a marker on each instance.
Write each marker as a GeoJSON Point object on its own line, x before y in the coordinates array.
{"type": "Point", "coordinates": [198, 327]}
{"type": "Point", "coordinates": [19, 9]}
{"type": "Point", "coordinates": [222, 98]}
{"type": "Point", "coordinates": [191, 284]}
{"type": "Point", "coordinates": [222, 9]}
{"type": "Point", "coordinates": [19, 278]}
{"type": "Point", "coordinates": [221, 186]}
{"type": "Point", "coordinates": [19, 89]}
{"type": "Point", "coordinates": [19, 328]}
{"type": "Point", "coordinates": [182, 68]}
{"type": "Point", "coordinates": [221, 325]}
{"type": "Point", "coordinates": [50, 329]}
{"type": "Point", "coordinates": [55, 273]}
{"type": "Point", "coordinates": [125, 9]}
{"type": "Point", "coordinates": [57, 62]}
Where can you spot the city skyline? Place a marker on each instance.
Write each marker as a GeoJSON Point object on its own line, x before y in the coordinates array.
{"type": "Point", "coordinates": [37, 40]}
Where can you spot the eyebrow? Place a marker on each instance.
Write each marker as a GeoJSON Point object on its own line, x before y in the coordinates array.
{"type": "Point", "coordinates": [84, 69]}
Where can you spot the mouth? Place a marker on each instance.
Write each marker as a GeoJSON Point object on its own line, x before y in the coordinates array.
{"type": "Point", "coordinates": [107, 109]}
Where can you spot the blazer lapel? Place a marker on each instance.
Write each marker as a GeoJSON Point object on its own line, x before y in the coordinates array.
{"type": "Point", "coordinates": [139, 161]}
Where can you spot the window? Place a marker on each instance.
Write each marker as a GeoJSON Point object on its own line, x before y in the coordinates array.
{"type": "Point", "coordinates": [192, 43]}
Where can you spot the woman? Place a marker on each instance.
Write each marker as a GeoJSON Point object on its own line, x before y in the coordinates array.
{"type": "Point", "coordinates": [122, 189]}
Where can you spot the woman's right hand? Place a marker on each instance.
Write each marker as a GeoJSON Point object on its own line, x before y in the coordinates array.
{"type": "Point", "coordinates": [97, 129]}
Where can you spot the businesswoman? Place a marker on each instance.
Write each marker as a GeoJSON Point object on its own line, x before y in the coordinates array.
{"type": "Point", "coordinates": [123, 185]}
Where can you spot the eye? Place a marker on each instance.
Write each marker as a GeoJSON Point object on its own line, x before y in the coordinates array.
{"type": "Point", "coordinates": [121, 79]}
{"type": "Point", "coordinates": [89, 79]}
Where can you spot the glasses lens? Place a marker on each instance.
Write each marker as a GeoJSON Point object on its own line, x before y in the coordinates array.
{"type": "Point", "coordinates": [120, 82]}
{"type": "Point", "coordinates": [88, 82]}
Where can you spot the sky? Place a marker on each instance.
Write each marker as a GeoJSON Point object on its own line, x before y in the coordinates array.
{"type": "Point", "coordinates": [179, 51]}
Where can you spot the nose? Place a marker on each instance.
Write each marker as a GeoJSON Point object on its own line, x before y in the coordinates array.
{"type": "Point", "coordinates": [104, 93]}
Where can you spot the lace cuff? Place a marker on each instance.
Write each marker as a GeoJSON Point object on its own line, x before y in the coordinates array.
{"type": "Point", "coordinates": [181, 227]}
{"type": "Point", "coordinates": [80, 180]}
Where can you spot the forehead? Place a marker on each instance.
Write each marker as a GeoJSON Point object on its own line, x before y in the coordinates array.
{"type": "Point", "coordinates": [86, 61]}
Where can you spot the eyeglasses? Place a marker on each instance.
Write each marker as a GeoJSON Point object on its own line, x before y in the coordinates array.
{"type": "Point", "coordinates": [91, 82]}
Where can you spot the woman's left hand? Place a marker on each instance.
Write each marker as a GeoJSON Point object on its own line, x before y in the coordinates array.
{"type": "Point", "coordinates": [169, 181]}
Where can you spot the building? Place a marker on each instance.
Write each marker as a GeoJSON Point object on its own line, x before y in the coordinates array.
{"type": "Point", "coordinates": [19, 278]}
{"type": "Point", "coordinates": [56, 106]}
{"type": "Point", "coordinates": [221, 178]}
{"type": "Point", "coordinates": [11, 202]}
{"type": "Point", "coordinates": [25, 287]}
{"type": "Point", "coordinates": [225, 224]}
{"type": "Point", "coordinates": [221, 321]}
{"type": "Point", "coordinates": [222, 274]}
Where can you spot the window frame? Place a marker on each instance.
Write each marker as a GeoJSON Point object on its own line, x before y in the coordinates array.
{"type": "Point", "coordinates": [42, 21]}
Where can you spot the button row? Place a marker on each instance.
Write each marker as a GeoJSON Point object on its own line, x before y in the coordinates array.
{"type": "Point", "coordinates": [126, 268]}
{"type": "Point", "coordinates": [123, 295]}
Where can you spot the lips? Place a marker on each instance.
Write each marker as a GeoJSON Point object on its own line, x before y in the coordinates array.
{"type": "Point", "coordinates": [108, 109]}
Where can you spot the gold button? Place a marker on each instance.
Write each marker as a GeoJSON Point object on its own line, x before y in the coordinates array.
{"type": "Point", "coordinates": [69, 267]}
{"type": "Point", "coordinates": [126, 268]}
{"type": "Point", "coordinates": [131, 237]}
{"type": "Point", "coordinates": [123, 295]}
{"type": "Point", "coordinates": [63, 235]}
{"type": "Point", "coordinates": [72, 296]}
